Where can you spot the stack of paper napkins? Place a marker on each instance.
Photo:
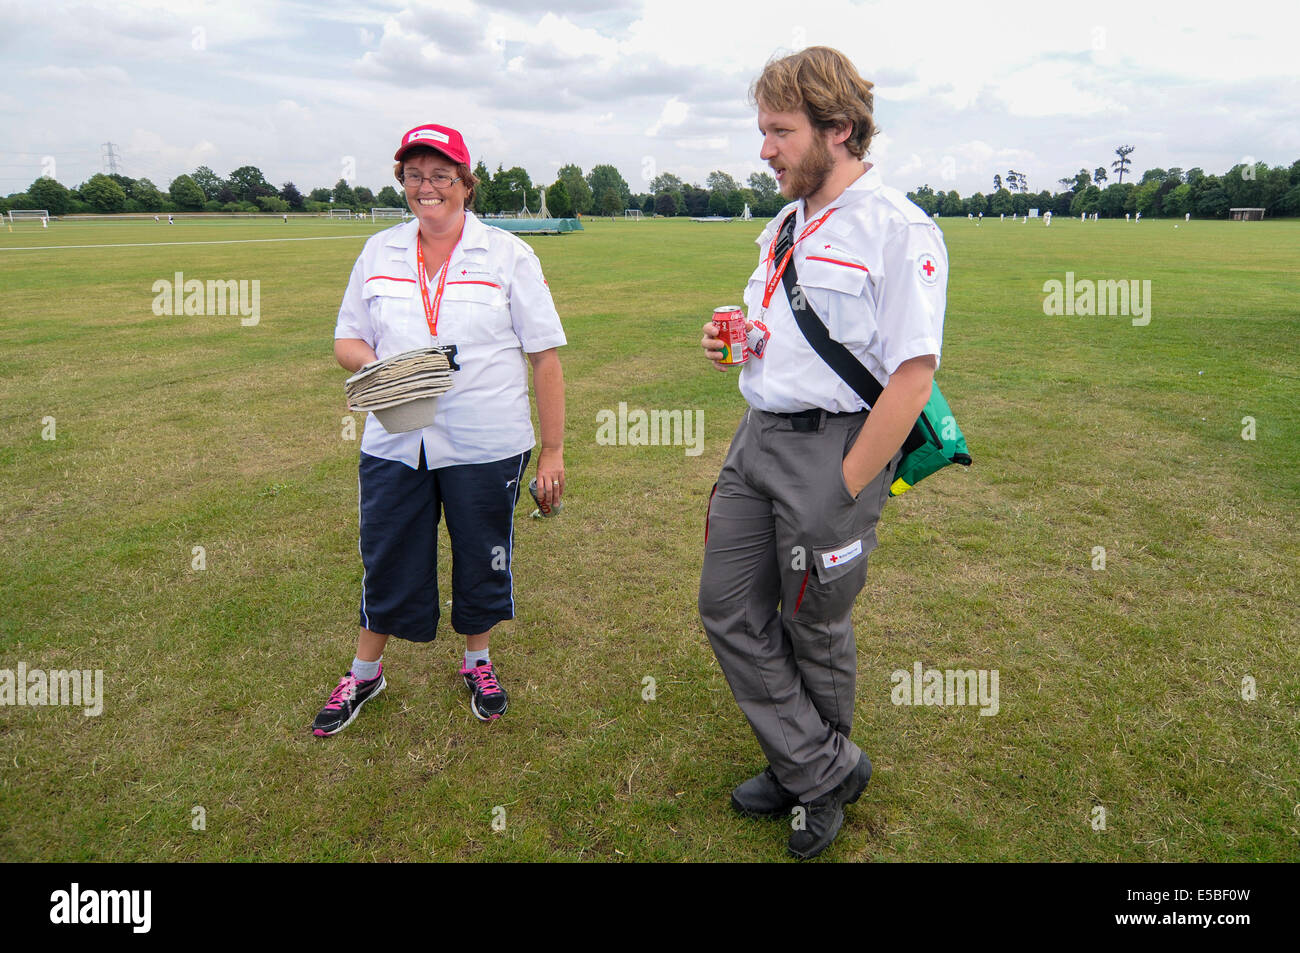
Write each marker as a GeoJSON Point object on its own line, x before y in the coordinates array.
{"type": "Point", "coordinates": [402, 390]}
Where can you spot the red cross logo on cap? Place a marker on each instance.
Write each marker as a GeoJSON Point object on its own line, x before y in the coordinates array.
{"type": "Point", "coordinates": [835, 559]}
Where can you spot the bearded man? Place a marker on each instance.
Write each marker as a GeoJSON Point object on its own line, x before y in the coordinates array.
{"type": "Point", "coordinates": [792, 518]}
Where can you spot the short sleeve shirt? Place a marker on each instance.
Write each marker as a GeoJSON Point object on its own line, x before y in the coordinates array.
{"type": "Point", "coordinates": [496, 307]}
{"type": "Point", "coordinates": [875, 272]}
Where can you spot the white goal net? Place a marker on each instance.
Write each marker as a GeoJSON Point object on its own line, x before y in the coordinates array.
{"type": "Point", "coordinates": [377, 213]}
{"type": "Point", "coordinates": [28, 215]}
{"type": "Point", "coordinates": [340, 213]}
{"type": "Point", "coordinates": [633, 213]}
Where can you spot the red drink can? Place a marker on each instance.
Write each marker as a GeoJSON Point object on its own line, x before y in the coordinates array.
{"type": "Point", "coordinates": [730, 322]}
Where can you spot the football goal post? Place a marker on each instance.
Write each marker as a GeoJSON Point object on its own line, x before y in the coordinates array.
{"type": "Point", "coordinates": [398, 213]}
{"type": "Point", "coordinates": [633, 213]}
{"type": "Point", "coordinates": [28, 215]}
{"type": "Point", "coordinates": [340, 213]}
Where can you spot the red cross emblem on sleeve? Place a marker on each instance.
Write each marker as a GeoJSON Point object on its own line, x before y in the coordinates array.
{"type": "Point", "coordinates": [927, 268]}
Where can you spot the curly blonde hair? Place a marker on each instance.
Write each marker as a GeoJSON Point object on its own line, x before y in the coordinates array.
{"type": "Point", "coordinates": [822, 83]}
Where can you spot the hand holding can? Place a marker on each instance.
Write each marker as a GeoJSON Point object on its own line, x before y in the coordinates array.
{"type": "Point", "coordinates": [725, 336]}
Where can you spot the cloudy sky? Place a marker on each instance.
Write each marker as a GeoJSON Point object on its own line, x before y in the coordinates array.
{"type": "Point", "coordinates": [312, 91]}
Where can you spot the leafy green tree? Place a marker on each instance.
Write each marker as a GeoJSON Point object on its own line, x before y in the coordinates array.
{"type": "Point", "coordinates": [1000, 202]}
{"type": "Point", "coordinates": [579, 191]}
{"type": "Point", "coordinates": [248, 183]}
{"type": "Point", "coordinates": [103, 194]}
{"type": "Point", "coordinates": [147, 196]}
{"type": "Point", "coordinates": [1274, 184]}
{"type": "Point", "coordinates": [51, 195]}
{"type": "Point", "coordinates": [1020, 203]}
{"type": "Point", "coordinates": [665, 182]}
{"type": "Point", "coordinates": [610, 202]}
{"type": "Point", "coordinates": [291, 196]}
{"type": "Point", "coordinates": [512, 189]}
{"type": "Point", "coordinates": [1099, 174]}
{"type": "Point", "coordinates": [925, 199]}
{"type": "Point", "coordinates": [952, 204]}
{"type": "Point", "coordinates": [320, 195]}
{"type": "Point", "coordinates": [558, 202]}
{"type": "Point", "coordinates": [763, 184]}
{"type": "Point", "coordinates": [977, 204]}
{"type": "Point", "coordinates": [1147, 199]}
{"type": "Point", "coordinates": [605, 179]}
{"type": "Point", "coordinates": [696, 200]}
{"type": "Point", "coordinates": [1289, 204]}
{"type": "Point", "coordinates": [719, 181]}
{"type": "Point", "coordinates": [1081, 181]}
{"type": "Point", "coordinates": [484, 197]}
{"type": "Point", "coordinates": [1212, 201]}
{"type": "Point", "coordinates": [365, 198]}
{"type": "Point", "coordinates": [272, 203]}
{"type": "Point", "coordinates": [1179, 200]}
{"type": "Point", "coordinates": [666, 203]}
{"type": "Point", "coordinates": [343, 195]}
{"type": "Point", "coordinates": [186, 193]}
{"type": "Point", "coordinates": [718, 204]}
{"type": "Point", "coordinates": [388, 198]}
{"type": "Point", "coordinates": [207, 180]}
{"type": "Point", "coordinates": [1086, 202]}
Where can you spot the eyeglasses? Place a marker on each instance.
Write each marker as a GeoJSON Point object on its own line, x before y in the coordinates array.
{"type": "Point", "coordinates": [439, 180]}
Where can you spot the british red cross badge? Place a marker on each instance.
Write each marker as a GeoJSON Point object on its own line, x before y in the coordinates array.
{"type": "Point", "coordinates": [927, 267]}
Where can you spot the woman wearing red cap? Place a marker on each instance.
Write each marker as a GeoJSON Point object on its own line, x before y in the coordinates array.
{"type": "Point", "coordinates": [447, 279]}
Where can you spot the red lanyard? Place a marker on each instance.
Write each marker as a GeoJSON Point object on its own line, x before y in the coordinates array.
{"type": "Point", "coordinates": [775, 277]}
{"type": "Point", "coordinates": [431, 310]}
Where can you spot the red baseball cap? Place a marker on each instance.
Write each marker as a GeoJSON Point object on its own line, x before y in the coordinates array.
{"type": "Point", "coordinates": [443, 138]}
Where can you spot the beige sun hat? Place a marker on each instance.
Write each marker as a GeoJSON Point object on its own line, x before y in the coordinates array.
{"type": "Point", "coordinates": [401, 391]}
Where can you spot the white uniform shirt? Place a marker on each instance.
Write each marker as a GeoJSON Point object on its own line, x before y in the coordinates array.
{"type": "Point", "coordinates": [875, 272]}
{"type": "Point", "coordinates": [496, 306]}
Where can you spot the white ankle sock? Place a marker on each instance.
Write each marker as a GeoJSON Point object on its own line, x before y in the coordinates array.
{"type": "Point", "coordinates": [365, 671]}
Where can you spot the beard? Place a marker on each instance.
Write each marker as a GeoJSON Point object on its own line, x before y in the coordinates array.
{"type": "Point", "coordinates": [806, 178]}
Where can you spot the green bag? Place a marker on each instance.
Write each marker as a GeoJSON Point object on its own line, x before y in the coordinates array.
{"type": "Point", "coordinates": [935, 442]}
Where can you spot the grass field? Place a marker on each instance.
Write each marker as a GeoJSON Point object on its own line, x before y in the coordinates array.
{"type": "Point", "coordinates": [1120, 688]}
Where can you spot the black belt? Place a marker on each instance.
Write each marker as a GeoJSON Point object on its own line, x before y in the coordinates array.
{"type": "Point", "coordinates": [805, 421]}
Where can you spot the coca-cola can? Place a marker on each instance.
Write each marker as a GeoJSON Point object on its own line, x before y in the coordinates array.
{"type": "Point", "coordinates": [730, 322]}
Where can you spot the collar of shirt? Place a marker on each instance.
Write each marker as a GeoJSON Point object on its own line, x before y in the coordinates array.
{"type": "Point", "coordinates": [474, 236]}
{"type": "Point", "coordinates": [857, 189]}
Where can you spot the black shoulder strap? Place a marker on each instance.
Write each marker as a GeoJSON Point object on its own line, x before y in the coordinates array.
{"type": "Point", "coordinates": [835, 354]}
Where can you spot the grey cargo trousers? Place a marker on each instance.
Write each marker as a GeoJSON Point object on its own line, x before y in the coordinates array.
{"type": "Point", "coordinates": [785, 556]}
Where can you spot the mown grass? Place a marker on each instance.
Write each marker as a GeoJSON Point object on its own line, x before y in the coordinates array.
{"type": "Point", "coordinates": [1120, 688]}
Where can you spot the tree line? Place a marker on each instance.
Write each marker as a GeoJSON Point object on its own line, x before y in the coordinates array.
{"type": "Point", "coordinates": [603, 191]}
{"type": "Point", "coordinates": [1160, 193]}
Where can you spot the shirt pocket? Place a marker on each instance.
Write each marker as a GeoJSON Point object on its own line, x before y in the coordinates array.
{"type": "Point", "coordinates": [476, 310]}
{"type": "Point", "coordinates": [389, 299]}
{"type": "Point", "coordinates": [839, 289]}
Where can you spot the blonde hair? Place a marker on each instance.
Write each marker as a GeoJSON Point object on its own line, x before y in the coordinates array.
{"type": "Point", "coordinates": [466, 174]}
{"type": "Point", "coordinates": [822, 83]}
